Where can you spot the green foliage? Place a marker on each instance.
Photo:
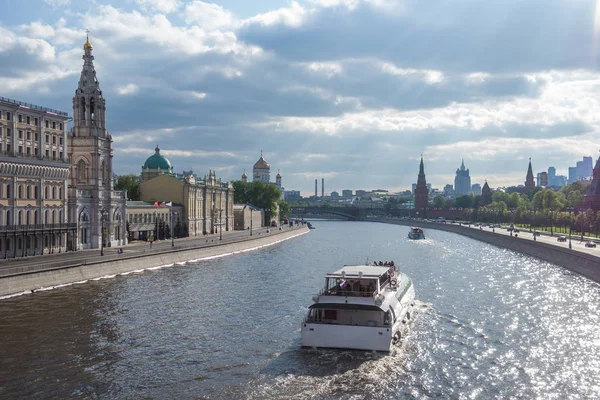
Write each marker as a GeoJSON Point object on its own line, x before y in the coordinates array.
{"type": "Point", "coordinates": [284, 209]}
{"type": "Point", "coordinates": [574, 193]}
{"type": "Point", "coordinates": [259, 194]}
{"type": "Point", "coordinates": [130, 184]}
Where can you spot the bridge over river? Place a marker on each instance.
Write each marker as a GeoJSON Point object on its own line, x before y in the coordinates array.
{"type": "Point", "coordinates": [346, 213]}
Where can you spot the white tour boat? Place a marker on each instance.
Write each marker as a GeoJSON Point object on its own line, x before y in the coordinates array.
{"type": "Point", "coordinates": [416, 233]}
{"type": "Point", "coordinates": [361, 307]}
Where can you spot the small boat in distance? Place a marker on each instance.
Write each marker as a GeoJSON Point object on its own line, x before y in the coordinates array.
{"type": "Point", "coordinates": [416, 233]}
{"type": "Point", "coordinates": [310, 225]}
{"type": "Point", "coordinates": [361, 307]}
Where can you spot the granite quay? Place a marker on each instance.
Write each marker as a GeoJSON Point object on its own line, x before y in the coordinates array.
{"type": "Point", "coordinates": [22, 275]}
{"type": "Point", "coordinates": [580, 259]}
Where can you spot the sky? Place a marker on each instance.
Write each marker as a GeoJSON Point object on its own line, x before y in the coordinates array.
{"type": "Point", "coordinates": [352, 91]}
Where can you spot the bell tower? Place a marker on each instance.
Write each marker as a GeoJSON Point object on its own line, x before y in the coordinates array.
{"type": "Point", "coordinates": [98, 210]}
{"type": "Point", "coordinates": [89, 107]}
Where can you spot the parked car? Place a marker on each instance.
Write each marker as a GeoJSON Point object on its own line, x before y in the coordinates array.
{"type": "Point", "coordinates": [517, 230]}
{"type": "Point", "coordinates": [589, 243]}
{"type": "Point", "coordinates": [561, 239]}
{"type": "Point", "coordinates": [536, 233]}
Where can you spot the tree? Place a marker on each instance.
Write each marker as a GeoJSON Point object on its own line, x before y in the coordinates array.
{"type": "Point", "coordinates": [259, 194]}
{"type": "Point", "coordinates": [284, 209]}
{"type": "Point", "coordinates": [438, 201]}
{"type": "Point", "coordinates": [130, 184]}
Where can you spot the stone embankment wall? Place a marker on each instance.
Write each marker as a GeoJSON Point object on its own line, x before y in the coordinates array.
{"type": "Point", "coordinates": [96, 269]}
{"type": "Point", "coordinates": [581, 263]}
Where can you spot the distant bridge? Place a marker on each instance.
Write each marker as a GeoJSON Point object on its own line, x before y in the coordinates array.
{"type": "Point", "coordinates": [348, 213]}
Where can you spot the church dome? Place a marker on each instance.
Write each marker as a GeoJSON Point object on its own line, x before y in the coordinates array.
{"type": "Point", "coordinates": [157, 161]}
{"type": "Point", "coordinates": [244, 176]}
{"type": "Point", "coordinates": [261, 164]}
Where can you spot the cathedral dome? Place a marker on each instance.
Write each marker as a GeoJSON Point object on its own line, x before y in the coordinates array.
{"type": "Point", "coordinates": [244, 176]}
{"type": "Point", "coordinates": [157, 161]}
{"type": "Point", "coordinates": [261, 164]}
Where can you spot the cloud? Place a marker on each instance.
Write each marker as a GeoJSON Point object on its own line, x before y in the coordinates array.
{"type": "Point", "coordinates": [164, 6]}
{"type": "Point", "coordinates": [350, 90]}
{"type": "Point", "coordinates": [57, 3]}
{"type": "Point", "coordinates": [208, 16]}
{"type": "Point", "coordinates": [128, 89]}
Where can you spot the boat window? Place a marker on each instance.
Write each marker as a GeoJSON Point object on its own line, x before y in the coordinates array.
{"type": "Point", "coordinates": [330, 314]}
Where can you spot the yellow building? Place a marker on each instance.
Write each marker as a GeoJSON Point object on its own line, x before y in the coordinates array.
{"type": "Point", "coordinates": [207, 203]}
{"type": "Point", "coordinates": [34, 172]}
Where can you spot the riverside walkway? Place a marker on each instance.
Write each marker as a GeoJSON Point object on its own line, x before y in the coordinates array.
{"type": "Point", "coordinates": [580, 259]}
{"type": "Point", "coordinates": [23, 265]}
{"type": "Point", "coordinates": [545, 237]}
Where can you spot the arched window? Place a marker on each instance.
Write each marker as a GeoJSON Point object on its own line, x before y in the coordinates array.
{"type": "Point", "coordinates": [102, 172]}
{"type": "Point", "coordinates": [28, 217]}
{"type": "Point", "coordinates": [36, 192]}
{"type": "Point", "coordinates": [8, 191]}
{"type": "Point", "coordinates": [83, 108]}
{"type": "Point", "coordinates": [20, 192]}
{"type": "Point", "coordinates": [28, 190]}
{"type": "Point", "coordinates": [20, 218]}
{"type": "Point", "coordinates": [82, 172]}
{"type": "Point", "coordinates": [53, 192]}
{"type": "Point", "coordinates": [54, 216]}
{"type": "Point", "coordinates": [46, 216]}
{"type": "Point", "coordinates": [92, 108]}
{"type": "Point", "coordinates": [60, 216]}
{"type": "Point", "coordinates": [46, 192]}
{"type": "Point", "coordinates": [36, 217]}
{"type": "Point", "coordinates": [9, 220]}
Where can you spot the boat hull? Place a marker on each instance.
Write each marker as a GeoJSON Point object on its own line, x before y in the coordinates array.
{"type": "Point", "coordinates": [346, 337]}
{"type": "Point", "coordinates": [416, 236]}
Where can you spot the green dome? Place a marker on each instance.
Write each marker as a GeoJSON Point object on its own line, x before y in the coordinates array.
{"type": "Point", "coordinates": [157, 161]}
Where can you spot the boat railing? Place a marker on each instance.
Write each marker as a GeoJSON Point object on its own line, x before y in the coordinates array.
{"type": "Point", "coordinates": [348, 293]}
{"type": "Point", "coordinates": [370, 323]}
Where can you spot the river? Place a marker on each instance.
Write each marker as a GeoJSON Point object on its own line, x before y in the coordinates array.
{"type": "Point", "coordinates": [491, 323]}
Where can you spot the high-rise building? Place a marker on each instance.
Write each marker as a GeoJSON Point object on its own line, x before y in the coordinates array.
{"type": "Point", "coordinates": [592, 197]}
{"type": "Point", "coordinates": [448, 190]}
{"type": "Point", "coordinates": [322, 187]}
{"type": "Point", "coordinates": [542, 179]}
{"type": "Point", "coordinates": [316, 188]}
{"type": "Point", "coordinates": [572, 175]}
{"type": "Point", "coordinates": [462, 181]}
{"type": "Point", "coordinates": [551, 176]}
{"type": "Point", "coordinates": [347, 193]}
{"type": "Point", "coordinates": [476, 189]}
{"type": "Point", "coordinates": [421, 192]}
{"type": "Point", "coordinates": [529, 182]}
{"type": "Point", "coordinates": [34, 172]}
{"type": "Point", "coordinates": [94, 205]}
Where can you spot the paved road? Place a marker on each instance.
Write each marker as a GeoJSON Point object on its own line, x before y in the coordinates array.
{"type": "Point", "coordinates": [546, 238]}
{"type": "Point", "coordinates": [57, 260]}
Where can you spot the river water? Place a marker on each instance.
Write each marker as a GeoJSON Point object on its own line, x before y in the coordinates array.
{"type": "Point", "coordinates": [491, 324]}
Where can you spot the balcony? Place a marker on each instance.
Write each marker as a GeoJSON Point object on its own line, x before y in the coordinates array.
{"type": "Point", "coordinates": [34, 157]}
{"type": "Point", "coordinates": [33, 106]}
{"type": "Point", "coordinates": [31, 228]}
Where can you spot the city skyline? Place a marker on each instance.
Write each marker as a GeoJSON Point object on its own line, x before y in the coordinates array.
{"type": "Point", "coordinates": [213, 83]}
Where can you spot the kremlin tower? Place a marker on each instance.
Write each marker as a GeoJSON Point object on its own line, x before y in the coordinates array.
{"type": "Point", "coordinates": [421, 192]}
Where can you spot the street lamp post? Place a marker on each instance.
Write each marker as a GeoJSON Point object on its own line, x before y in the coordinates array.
{"type": "Point", "coordinates": [172, 237]}
{"type": "Point", "coordinates": [102, 219]}
{"type": "Point", "coordinates": [582, 221]}
{"type": "Point", "coordinates": [220, 225]}
{"type": "Point", "coordinates": [570, 209]}
{"type": "Point", "coordinates": [250, 221]}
